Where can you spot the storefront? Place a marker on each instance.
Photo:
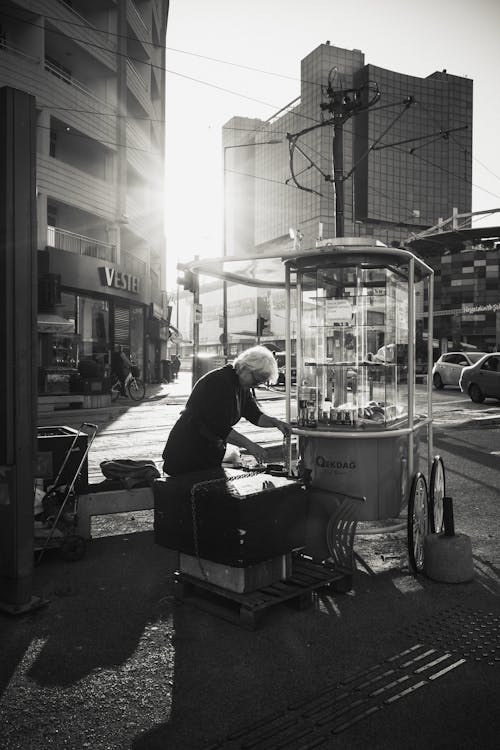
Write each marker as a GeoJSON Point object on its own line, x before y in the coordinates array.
{"type": "Point", "coordinates": [95, 309]}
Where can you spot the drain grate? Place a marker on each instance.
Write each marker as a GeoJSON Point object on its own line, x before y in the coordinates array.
{"type": "Point", "coordinates": [471, 633]}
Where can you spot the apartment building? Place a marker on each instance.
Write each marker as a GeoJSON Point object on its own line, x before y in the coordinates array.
{"type": "Point", "coordinates": [96, 69]}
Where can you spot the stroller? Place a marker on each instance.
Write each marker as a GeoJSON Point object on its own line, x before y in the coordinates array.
{"type": "Point", "coordinates": [55, 511]}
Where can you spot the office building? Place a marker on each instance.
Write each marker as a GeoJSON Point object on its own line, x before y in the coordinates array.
{"type": "Point", "coordinates": [96, 70]}
{"type": "Point", "coordinates": [466, 298]}
{"type": "Point", "coordinates": [405, 163]}
{"type": "Point", "coordinates": [406, 160]}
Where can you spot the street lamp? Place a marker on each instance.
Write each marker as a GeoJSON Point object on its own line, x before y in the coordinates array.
{"type": "Point", "coordinates": [270, 142]}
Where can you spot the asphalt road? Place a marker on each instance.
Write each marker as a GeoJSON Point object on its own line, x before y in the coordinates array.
{"type": "Point", "coordinates": [141, 431]}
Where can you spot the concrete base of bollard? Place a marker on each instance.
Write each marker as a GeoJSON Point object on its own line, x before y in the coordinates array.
{"type": "Point", "coordinates": [448, 559]}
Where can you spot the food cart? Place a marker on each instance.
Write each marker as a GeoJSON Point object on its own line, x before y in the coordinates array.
{"type": "Point", "coordinates": [359, 324]}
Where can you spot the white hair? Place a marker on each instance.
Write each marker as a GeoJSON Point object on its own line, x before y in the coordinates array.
{"type": "Point", "coordinates": [260, 361]}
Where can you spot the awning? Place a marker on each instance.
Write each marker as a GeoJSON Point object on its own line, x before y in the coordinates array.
{"type": "Point", "coordinates": [267, 270]}
{"type": "Point", "coordinates": [52, 323]}
{"type": "Point", "coordinates": [176, 337]}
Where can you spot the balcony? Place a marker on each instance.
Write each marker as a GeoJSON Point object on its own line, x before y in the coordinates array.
{"type": "Point", "coordinates": [139, 87]}
{"type": "Point", "coordinates": [73, 187]}
{"type": "Point", "coordinates": [133, 265]}
{"type": "Point", "coordinates": [137, 24]}
{"type": "Point", "coordinates": [139, 150]}
{"type": "Point", "coordinates": [155, 280]}
{"type": "Point", "coordinates": [62, 239]}
{"type": "Point", "coordinates": [94, 41]}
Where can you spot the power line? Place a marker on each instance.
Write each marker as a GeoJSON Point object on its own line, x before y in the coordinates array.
{"type": "Point", "coordinates": [74, 134]}
{"type": "Point", "coordinates": [196, 80]}
{"type": "Point", "coordinates": [166, 48]}
{"type": "Point", "coordinates": [151, 64]}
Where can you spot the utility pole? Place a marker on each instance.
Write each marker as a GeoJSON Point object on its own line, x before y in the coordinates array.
{"type": "Point", "coordinates": [190, 282]}
{"type": "Point", "coordinates": [196, 328]}
{"type": "Point", "coordinates": [225, 335]}
{"type": "Point", "coordinates": [18, 309]}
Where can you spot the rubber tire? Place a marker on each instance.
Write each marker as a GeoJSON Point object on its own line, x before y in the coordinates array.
{"type": "Point", "coordinates": [115, 392]}
{"type": "Point", "coordinates": [418, 485]}
{"type": "Point", "coordinates": [476, 393]}
{"type": "Point", "coordinates": [437, 382]}
{"type": "Point", "coordinates": [436, 503]}
{"type": "Point", "coordinates": [137, 393]}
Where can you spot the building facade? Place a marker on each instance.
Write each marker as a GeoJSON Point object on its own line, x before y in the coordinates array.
{"type": "Point", "coordinates": [404, 163]}
{"type": "Point", "coordinates": [97, 73]}
{"type": "Point", "coordinates": [467, 290]}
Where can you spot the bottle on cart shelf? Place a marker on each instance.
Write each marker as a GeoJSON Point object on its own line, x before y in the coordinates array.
{"type": "Point", "coordinates": [307, 398]}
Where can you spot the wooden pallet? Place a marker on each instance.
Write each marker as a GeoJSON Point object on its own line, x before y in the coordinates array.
{"type": "Point", "coordinates": [247, 610]}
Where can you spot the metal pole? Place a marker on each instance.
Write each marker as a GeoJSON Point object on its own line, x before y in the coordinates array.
{"type": "Point", "coordinates": [430, 356]}
{"type": "Point", "coordinates": [18, 309]}
{"type": "Point", "coordinates": [411, 362]}
{"type": "Point", "coordinates": [338, 175]}
{"type": "Point", "coordinates": [224, 283]}
{"type": "Point", "coordinates": [288, 345]}
{"type": "Point", "coordinates": [196, 329]}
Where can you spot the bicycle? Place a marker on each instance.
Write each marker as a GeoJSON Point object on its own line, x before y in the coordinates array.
{"type": "Point", "coordinates": [133, 386]}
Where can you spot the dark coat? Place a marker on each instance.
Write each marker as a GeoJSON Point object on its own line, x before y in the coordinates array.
{"type": "Point", "coordinates": [197, 441]}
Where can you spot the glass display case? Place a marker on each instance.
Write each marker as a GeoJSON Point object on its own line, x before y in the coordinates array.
{"type": "Point", "coordinates": [353, 346]}
{"type": "Point", "coordinates": [362, 318]}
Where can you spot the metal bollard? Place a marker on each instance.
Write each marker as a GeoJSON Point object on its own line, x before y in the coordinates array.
{"type": "Point", "coordinates": [448, 520]}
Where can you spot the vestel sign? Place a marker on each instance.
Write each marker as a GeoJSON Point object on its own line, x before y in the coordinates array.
{"type": "Point", "coordinates": [119, 280]}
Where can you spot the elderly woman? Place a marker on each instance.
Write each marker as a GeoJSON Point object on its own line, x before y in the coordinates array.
{"type": "Point", "coordinates": [218, 400]}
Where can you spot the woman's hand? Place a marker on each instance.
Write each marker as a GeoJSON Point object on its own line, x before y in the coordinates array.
{"type": "Point", "coordinates": [283, 427]}
{"type": "Point", "coordinates": [258, 452]}
{"type": "Point", "coordinates": [267, 421]}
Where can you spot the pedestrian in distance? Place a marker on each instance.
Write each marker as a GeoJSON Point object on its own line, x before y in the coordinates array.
{"type": "Point", "coordinates": [217, 402]}
{"type": "Point", "coordinates": [176, 366]}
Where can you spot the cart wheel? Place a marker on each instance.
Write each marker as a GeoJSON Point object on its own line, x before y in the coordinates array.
{"type": "Point", "coordinates": [72, 548]}
{"type": "Point", "coordinates": [437, 490]}
{"type": "Point", "coordinates": [417, 522]}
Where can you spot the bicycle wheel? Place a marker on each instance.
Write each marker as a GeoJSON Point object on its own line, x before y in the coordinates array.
{"type": "Point", "coordinates": [418, 521]}
{"type": "Point", "coordinates": [136, 389]}
{"type": "Point", "coordinates": [115, 391]}
{"type": "Point", "coordinates": [437, 490]}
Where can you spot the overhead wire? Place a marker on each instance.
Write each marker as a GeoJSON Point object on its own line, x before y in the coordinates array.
{"type": "Point", "coordinates": [192, 78]}
{"type": "Point", "coordinates": [166, 48]}
{"type": "Point", "coordinates": [153, 65]}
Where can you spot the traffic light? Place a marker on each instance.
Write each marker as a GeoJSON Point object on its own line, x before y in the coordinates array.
{"type": "Point", "coordinates": [262, 325]}
{"type": "Point", "coordinates": [187, 279]}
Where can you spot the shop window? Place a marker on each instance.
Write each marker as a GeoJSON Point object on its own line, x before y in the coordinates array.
{"type": "Point", "coordinates": [93, 329]}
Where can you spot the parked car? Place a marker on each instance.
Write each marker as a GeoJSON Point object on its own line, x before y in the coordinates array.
{"type": "Point", "coordinates": [449, 366]}
{"type": "Point", "coordinates": [482, 379]}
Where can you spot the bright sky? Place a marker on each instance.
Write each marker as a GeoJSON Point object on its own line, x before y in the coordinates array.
{"type": "Point", "coordinates": [256, 48]}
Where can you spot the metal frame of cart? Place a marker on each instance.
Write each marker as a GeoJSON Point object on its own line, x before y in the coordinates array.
{"type": "Point", "coordinates": [273, 271]}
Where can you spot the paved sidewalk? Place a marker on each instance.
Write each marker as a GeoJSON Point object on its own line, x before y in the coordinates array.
{"type": "Point", "coordinates": [114, 662]}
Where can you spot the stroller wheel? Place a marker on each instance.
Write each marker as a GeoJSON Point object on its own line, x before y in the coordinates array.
{"type": "Point", "coordinates": [72, 548]}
